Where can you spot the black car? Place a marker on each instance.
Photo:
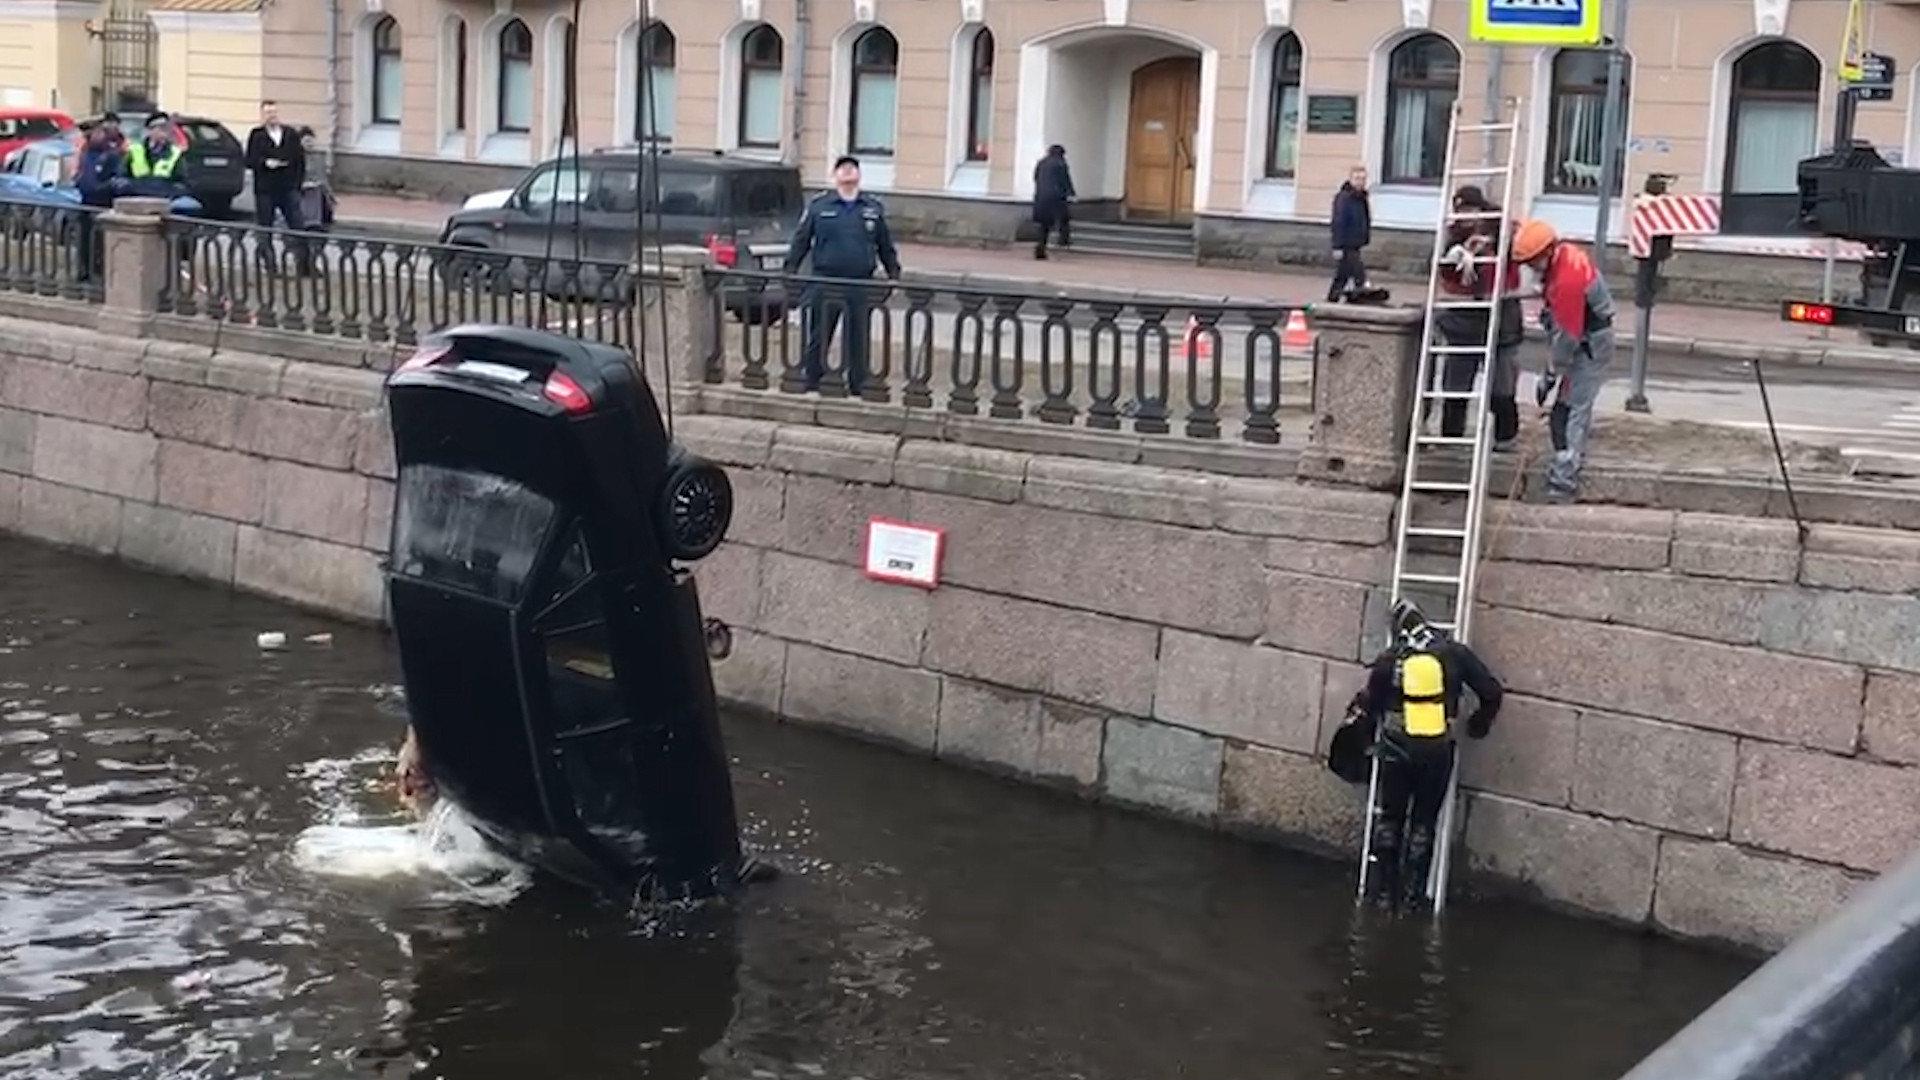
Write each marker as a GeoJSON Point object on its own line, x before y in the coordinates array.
{"type": "Point", "coordinates": [555, 659]}
{"type": "Point", "coordinates": [216, 162]}
{"type": "Point", "coordinates": [594, 206]}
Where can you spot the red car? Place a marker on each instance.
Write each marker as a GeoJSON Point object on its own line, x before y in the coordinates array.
{"type": "Point", "coordinates": [18, 127]}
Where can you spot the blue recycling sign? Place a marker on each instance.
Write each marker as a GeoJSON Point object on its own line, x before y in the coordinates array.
{"type": "Point", "coordinates": [1535, 22]}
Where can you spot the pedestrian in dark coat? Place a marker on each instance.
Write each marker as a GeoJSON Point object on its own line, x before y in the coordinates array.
{"type": "Point", "coordinates": [1352, 232]}
{"type": "Point", "coordinates": [1052, 195]}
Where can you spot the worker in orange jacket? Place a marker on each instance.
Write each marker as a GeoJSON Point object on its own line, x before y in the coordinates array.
{"type": "Point", "coordinates": [1577, 313]}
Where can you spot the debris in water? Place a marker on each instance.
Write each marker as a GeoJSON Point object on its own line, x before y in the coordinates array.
{"type": "Point", "coordinates": [272, 639]}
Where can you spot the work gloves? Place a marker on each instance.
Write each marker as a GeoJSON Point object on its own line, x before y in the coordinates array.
{"type": "Point", "coordinates": [1544, 386]}
{"type": "Point", "coordinates": [1478, 725]}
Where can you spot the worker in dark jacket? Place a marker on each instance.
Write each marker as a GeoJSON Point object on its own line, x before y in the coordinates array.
{"type": "Point", "coordinates": [1468, 272]}
{"type": "Point", "coordinates": [1053, 195]}
{"type": "Point", "coordinates": [1407, 712]}
{"type": "Point", "coordinates": [844, 235]}
{"type": "Point", "coordinates": [98, 175]}
{"type": "Point", "coordinates": [1352, 232]}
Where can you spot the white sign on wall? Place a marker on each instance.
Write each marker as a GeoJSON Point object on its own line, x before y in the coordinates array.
{"type": "Point", "coordinates": [904, 554]}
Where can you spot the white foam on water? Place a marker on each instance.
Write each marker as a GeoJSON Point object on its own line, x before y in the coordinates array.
{"type": "Point", "coordinates": [443, 850]}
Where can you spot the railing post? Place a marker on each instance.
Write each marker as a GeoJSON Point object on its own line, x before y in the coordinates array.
{"type": "Point", "coordinates": [1362, 394]}
{"type": "Point", "coordinates": [136, 263]}
{"type": "Point", "coordinates": [674, 324]}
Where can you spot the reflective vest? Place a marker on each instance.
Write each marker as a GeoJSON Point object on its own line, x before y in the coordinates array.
{"type": "Point", "coordinates": [1421, 680]}
{"type": "Point", "coordinates": [140, 168]}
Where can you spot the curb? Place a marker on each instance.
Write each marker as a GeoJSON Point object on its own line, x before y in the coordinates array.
{"type": "Point", "coordinates": [1836, 357]}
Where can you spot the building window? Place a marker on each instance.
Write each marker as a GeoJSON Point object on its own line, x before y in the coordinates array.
{"type": "Point", "coordinates": [1283, 109]}
{"type": "Point", "coordinates": [388, 79]}
{"type": "Point", "coordinates": [1576, 134]}
{"type": "Point", "coordinates": [1423, 79]}
{"type": "Point", "coordinates": [876, 84]}
{"type": "Point", "coordinates": [1774, 120]}
{"type": "Point", "coordinates": [654, 104]}
{"type": "Point", "coordinates": [763, 86]}
{"type": "Point", "coordinates": [456, 52]}
{"type": "Point", "coordinates": [514, 82]}
{"type": "Point", "coordinates": [980, 97]}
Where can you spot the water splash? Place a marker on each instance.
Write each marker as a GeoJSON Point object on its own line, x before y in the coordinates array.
{"type": "Point", "coordinates": [445, 850]}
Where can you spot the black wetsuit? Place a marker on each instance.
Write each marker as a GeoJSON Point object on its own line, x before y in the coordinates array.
{"type": "Point", "coordinates": [1414, 769]}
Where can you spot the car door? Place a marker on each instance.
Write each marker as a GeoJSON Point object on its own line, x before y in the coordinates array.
{"type": "Point", "coordinates": [615, 214]}
{"type": "Point", "coordinates": [545, 205]}
{"type": "Point", "coordinates": [689, 203]}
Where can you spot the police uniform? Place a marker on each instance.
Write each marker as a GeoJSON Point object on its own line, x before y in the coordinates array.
{"type": "Point", "coordinates": [844, 238]}
{"type": "Point", "coordinates": [1410, 702]}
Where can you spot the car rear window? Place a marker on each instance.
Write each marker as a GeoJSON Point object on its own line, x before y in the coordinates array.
{"type": "Point", "coordinates": [470, 531]}
{"type": "Point", "coordinates": [208, 136]}
{"type": "Point", "coordinates": [775, 193]}
{"type": "Point", "coordinates": [29, 127]}
{"type": "Point", "coordinates": [688, 194]}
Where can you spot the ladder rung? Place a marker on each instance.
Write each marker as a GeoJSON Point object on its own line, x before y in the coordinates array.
{"type": "Point", "coordinates": [1442, 486]}
{"type": "Point", "coordinates": [1436, 531]}
{"type": "Point", "coordinates": [1459, 350]}
{"type": "Point", "coordinates": [1455, 305]}
{"type": "Point", "coordinates": [1430, 579]}
{"type": "Point", "coordinates": [1475, 129]}
{"type": "Point", "coordinates": [1483, 170]}
{"type": "Point", "coordinates": [1478, 215]}
{"type": "Point", "coordinates": [1450, 395]}
{"type": "Point", "coordinates": [1446, 440]}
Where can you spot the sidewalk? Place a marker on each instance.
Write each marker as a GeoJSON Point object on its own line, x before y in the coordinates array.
{"type": "Point", "coordinates": [1722, 333]}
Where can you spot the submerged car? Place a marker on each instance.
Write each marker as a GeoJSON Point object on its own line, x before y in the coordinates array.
{"type": "Point", "coordinates": [554, 654]}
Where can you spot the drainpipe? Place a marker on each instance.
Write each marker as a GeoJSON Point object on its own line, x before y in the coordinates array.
{"type": "Point", "coordinates": [333, 86]}
{"type": "Point", "coordinates": [1490, 112]}
{"type": "Point", "coordinates": [802, 27]}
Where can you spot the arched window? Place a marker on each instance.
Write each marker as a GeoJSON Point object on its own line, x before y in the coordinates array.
{"type": "Point", "coordinates": [654, 103]}
{"type": "Point", "coordinates": [1423, 79]}
{"type": "Point", "coordinates": [454, 73]}
{"type": "Point", "coordinates": [873, 106]}
{"type": "Point", "coordinates": [1283, 109]}
{"type": "Point", "coordinates": [980, 97]}
{"type": "Point", "coordinates": [514, 79]}
{"type": "Point", "coordinates": [1576, 135]}
{"type": "Point", "coordinates": [763, 85]}
{"type": "Point", "coordinates": [1774, 120]}
{"type": "Point", "coordinates": [388, 84]}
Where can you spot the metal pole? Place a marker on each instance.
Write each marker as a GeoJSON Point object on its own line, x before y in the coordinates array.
{"type": "Point", "coordinates": [1610, 134]}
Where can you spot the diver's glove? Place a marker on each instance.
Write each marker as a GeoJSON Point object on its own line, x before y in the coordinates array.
{"type": "Point", "coordinates": [1478, 725]}
{"type": "Point", "coordinates": [1544, 386]}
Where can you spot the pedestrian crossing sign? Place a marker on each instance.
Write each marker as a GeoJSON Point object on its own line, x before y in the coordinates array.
{"type": "Point", "coordinates": [1535, 22]}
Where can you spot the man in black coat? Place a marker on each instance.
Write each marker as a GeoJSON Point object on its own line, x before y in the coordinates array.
{"type": "Point", "coordinates": [1052, 194]}
{"type": "Point", "coordinates": [279, 164]}
{"type": "Point", "coordinates": [1352, 232]}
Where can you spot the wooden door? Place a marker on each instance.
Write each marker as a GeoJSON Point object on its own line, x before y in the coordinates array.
{"type": "Point", "coordinates": [1163, 121]}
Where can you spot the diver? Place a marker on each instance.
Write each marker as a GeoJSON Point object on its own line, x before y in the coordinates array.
{"type": "Point", "coordinates": [1407, 713]}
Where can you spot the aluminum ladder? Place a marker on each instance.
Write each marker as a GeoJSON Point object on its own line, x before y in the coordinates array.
{"type": "Point", "coordinates": [1437, 534]}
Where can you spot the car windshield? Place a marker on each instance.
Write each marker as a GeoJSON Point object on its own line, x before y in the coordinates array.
{"type": "Point", "coordinates": [205, 134]}
{"type": "Point", "coordinates": [471, 531]}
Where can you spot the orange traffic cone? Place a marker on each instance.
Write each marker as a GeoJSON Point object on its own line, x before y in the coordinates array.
{"type": "Point", "coordinates": [1199, 345]}
{"type": "Point", "coordinates": [1297, 335]}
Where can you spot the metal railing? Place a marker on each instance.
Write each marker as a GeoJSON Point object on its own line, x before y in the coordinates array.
{"type": "Point", "coordinates": [1152, 367]}
{"type": "Point", "coordinates": [51, 249]}
{"type": "Point", "coordinates": [385, 291]}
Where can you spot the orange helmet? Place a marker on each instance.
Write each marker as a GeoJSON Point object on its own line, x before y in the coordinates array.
{"type": "Point", "coordinates": [1532, 241]}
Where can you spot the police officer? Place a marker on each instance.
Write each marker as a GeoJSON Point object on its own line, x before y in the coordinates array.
{"type": "Point", "coordinates": [845, 234]}
{"type": "Point", "coordinates": [153, 163]}
{"type": "Point", "coordinates": [1409, 704]}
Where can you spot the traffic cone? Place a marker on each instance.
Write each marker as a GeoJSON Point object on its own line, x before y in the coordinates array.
{"type": "Point", "coordinates": [1297, 335]}
{"type": "Point", "coordinates": [1199, 345]}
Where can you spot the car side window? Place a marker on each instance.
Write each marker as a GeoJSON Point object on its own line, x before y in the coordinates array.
{"type": "Point", "coordinates": [564, 183]}
{"type": "Point", "coordinates": [617, 189]}
{"type": "Point", "coordinates": [689, 194]}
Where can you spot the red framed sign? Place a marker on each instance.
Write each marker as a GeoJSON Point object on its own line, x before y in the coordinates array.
{"type": "Point", "coordinates": [904, 554]}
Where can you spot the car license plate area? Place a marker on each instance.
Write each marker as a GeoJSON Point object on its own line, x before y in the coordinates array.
{"type": "Point", "coordinates": [1913, 325]}
{"type": "Point", "coordinates": [496, 372]}
{"type": "Point", "coordinates": [218, 162]}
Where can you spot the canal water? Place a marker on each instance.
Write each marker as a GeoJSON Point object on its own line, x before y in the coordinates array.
{"type": "Point", "coordinates": [201, 875]}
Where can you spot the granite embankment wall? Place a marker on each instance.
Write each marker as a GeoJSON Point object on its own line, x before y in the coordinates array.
{"type": "Point", "coordinates": [1711, 729]}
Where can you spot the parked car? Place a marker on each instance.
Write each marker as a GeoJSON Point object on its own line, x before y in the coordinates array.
{"type": "Point", "coordinates": [215, 160]}
{"type": "Point", "coordinates": [18, 127]}
{"type": "Point", "coordinates": [44, 176]}
{"type": "Point", "coordinates": [740, 209]}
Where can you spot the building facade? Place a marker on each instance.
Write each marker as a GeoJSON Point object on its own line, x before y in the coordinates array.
{"type": "Point", "coordinates": [1232, 114]}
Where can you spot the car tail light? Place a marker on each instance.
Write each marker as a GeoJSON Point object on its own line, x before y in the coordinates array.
{"type": "Point", "coordinates": [426, 356]}
{"type": "Point", "coordinates": [724, 251]}
{"type": "Point", "coordinates": [567, 394]}
{"type": "Point", "coordinates": [1820, 314]}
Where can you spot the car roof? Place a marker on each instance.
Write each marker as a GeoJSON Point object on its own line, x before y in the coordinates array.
{"type": "Point", "coordinates": [714, 160]}
{"type": "Point", "coordinates": [34, 113]}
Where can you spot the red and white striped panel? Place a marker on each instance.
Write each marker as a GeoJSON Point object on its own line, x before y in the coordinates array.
{"type": "Point", "coordinates": [1670, 215]}
{"type": "Point", "coordinates": [1699, 215]}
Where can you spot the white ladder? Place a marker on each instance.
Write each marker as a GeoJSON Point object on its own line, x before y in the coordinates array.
{"type": "Point", "coordinates": [1446, 511]}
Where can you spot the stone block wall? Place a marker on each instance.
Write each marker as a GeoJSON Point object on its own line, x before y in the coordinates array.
{"type": "Point", "coordinates": [1709, 729]}
{"type": "Point", "coordinates": [1703, 733]}
{"type": "Point", "coordinates": [270, 475]}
